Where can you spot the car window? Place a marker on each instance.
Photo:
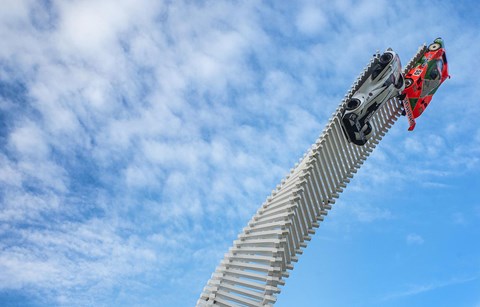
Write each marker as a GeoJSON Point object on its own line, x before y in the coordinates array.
{"type": "Point", "coordinates": [433, 73]}
{"type": "Point", "coordinates": [440, 65]}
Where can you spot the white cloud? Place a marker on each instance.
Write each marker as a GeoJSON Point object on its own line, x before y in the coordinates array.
{"type": "Point", "coordinates": [369, 213]}
{"type": "Point", "coordinates": [417, 289]}
{"type": "Point", "coordinates": [139, 138]}
{"type": "Point", "coordinates": [414, 239]}
{"type": "Point", "coordinates": [9, 175]}
{"type": "Point", "coordinates": [29, 140]}
{"type": "Point", "coordinates": [311, 20]}
{"type": "Point", "coordinates": [74, 258]}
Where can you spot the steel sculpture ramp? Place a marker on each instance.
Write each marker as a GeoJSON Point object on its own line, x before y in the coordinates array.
{"type": "Point", "coordinates": [258, 263]}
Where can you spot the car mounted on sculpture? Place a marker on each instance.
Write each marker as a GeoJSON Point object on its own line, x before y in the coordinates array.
{"type": "Point", "coordinates": [423, 80]}
{"type": "Point", "coordinates": [386, 81]}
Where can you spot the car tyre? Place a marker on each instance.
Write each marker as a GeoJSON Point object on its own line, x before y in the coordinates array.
{"type": "Point", "coordinates": [368, 131]}
{"type": "Point", "coordinates": [386, 58]}
{"type": "Point", "coordinates": [408, 82]}
{"type": "Point", "coordinates": [352, 104]}
{"type": "Point", "coordinates": [434, 47]}
{"type": "Point", "coordinates": [399, 83]}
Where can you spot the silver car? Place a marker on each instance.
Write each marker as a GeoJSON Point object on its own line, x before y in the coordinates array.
{"type": "Point", "coordinates": [386, 81]}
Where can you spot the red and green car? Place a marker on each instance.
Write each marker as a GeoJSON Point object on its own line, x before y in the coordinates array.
{"type": "Point", "coordinates": [423, 80]}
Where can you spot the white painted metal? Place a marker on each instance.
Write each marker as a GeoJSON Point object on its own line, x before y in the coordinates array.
{"type": "Point", "coordinates": [253, 269]}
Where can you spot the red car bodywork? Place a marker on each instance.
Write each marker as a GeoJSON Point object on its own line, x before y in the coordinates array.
{"type": "Point", "coordinates": [423, 80]}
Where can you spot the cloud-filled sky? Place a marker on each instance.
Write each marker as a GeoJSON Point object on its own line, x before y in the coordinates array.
{"type": "Point", "coordinates": [137, 138]}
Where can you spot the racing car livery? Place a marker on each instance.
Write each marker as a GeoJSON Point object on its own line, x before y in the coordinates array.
{"type": "Point", "coordinates": [423, 80]}
{"type": "Point", "coordinates": [385, 82]}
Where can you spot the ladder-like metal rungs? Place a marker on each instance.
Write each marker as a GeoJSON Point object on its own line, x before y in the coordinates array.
{"type": "Point", "coordinates": [258, 262]}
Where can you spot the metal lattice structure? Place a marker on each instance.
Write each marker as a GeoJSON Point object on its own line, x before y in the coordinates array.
{"type": "Point", "coordinates": [258, 263]}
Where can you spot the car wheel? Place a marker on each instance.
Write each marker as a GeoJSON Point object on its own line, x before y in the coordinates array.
{"type": "Point", "coordinates": [408, 82]}
{"type": "Point", "coordinates": [368, 131]}
{"type": "Point", "coordinates": [434, 47]}
{"type": "Point", "coordinates": [386, 58]}
{"type": "Point", "coordinates": [352, 104]}
{"type": "Point", "coordinates": [399, 83]}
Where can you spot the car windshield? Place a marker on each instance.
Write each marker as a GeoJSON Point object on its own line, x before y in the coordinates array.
{"type": "Point", "coordinates": [440, 65]}
{"type": "Point", "coordinates": [434, 70]}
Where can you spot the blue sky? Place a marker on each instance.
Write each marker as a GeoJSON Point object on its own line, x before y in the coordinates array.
{"type": "Point", "coordinates": [137, 138]}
